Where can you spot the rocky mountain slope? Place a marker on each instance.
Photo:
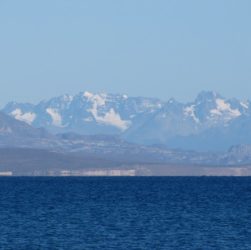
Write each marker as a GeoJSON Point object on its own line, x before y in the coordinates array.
{"type": "Point", "coordinates": [209, 123]}
{"type": "Point", "coordinates": [18, 138]}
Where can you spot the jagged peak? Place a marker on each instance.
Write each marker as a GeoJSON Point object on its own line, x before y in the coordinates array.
{"type": "Point", "coordinates": [208, 96]}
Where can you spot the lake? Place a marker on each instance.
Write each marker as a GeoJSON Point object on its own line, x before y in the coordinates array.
{"type": "Point", "coordinates": [125, 213]}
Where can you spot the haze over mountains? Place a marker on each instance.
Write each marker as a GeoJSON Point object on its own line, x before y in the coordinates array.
{"type": "Point", "coordinates": [146, 135]}
{"type": "Point", "coordinates": [209, 123]}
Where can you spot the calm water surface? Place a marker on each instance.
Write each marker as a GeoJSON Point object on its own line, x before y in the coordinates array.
{"type": "Point", "coordinates": [125, 213]}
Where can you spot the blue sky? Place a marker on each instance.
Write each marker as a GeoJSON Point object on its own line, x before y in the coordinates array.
{"type": "Point", "coordinates": [154, 48]}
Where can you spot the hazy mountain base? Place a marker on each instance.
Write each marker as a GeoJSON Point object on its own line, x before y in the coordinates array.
{"type": "Point", "coordinates": [37, 162]}
{"type": "Point", "coordinates": [196, 170]}
{"type": "Point", "coordinates": [37, 152]}
{"type": "Point", "coordinates": [25, 161]}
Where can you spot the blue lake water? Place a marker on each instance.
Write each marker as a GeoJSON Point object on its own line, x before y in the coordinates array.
{"type": "Point", "coordinates": [125, 213]}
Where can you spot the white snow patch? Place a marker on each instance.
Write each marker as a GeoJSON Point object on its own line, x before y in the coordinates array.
{"type": "Point", "coordinates": [189, 111]}
{"type": "Point", "coordinates": [88, 94]}
{"type": "Point", "coordinates": [96, 99]}
{"type": "Point", "coordinates": [222, 105]}
{"type": "Point", "coordinates": [27, 117]}
{"type": "Point", "coordinates": [225, 108]}
{"type": "Point", "coordinates": [109, 118]}
{"type": "Point", "coordinates": [245, 104]}
{"type": "Point", "coordinates": [55, 116]}
{"type": "Point", "coordinates": [113, 118]}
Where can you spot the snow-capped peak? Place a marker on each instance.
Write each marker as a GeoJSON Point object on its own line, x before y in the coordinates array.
{"type": "Point", "coordinates": [109, 117]}
{"type": "Point", "coordinates": [87, 94]}
{"type": "Point", "coordinates": [55, 116]}
{"type": "Point", "coordinates": [97, 99]}
{"type": "Point", "coordinates": [222, 107]}
{"type": "Point", "coordinates": [207, 96]}
{"type": "Point", "coordinates": [101, 113]}
{"type": "Point", "coordinates": [27, 117]}
{"type": "Point", "coordinates": [190, 111]}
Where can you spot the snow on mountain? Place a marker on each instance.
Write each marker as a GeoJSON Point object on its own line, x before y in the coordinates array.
{"type": "Point", "coordinates": [55, 117]}
{"type": "Point", "coordinates": [109, 118]}
{"type": "Point", "coordinates": [11, 127]}
{"type": "Point", "coordinates": [28, 117]}
{"type": "Point", "coordinates": [223, 107]}
{"type": "Point", "coordinates": [85, 113]}
{"type": "Point", "coordinates": [189, 111]}
{"type": "Point", "coordinates": [245, 104]}
{"type": "Point", "coordinates": [211, 122]}
{"type": "Point", "coordinates": [141, 120]}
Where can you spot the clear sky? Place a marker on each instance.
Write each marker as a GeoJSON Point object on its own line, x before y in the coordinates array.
{"type": "Point", "coordinates": [160, 48]}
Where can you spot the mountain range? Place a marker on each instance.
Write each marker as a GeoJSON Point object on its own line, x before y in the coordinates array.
{"type": "Point", "coordinates": [145, 135]}
{"type": "Point", "coordinates": [209, 123]}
